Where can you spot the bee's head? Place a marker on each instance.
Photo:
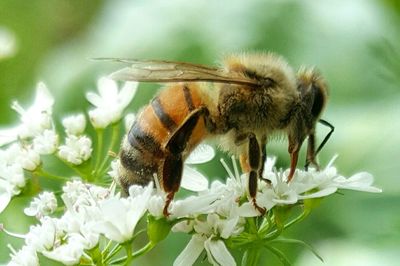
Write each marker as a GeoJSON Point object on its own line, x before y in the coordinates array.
{"type": "Point", "coordinates": [314, 94]}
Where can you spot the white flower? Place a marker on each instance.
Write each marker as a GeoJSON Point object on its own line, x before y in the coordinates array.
{"type": "Point", "coordinates": [120, 216]}
{"type": "Point", "coordinates": [44, 236]}
{"type": "Point", "coordinates": [208, 236]}
{"type": "Point", "coordinates": [38, 116]}
{"type": "Point", "coordinates": [76, 150]}
{"type": "Point", "coordinates": [26, 256]}
{"type": "Point", "coordinates": [29, 159]}
{"type": "Point", "coordinates": [8, 43]}
{"type": "Point", "coordinates": [68, 253]}
{"type": "Point", "coordinates": [74, 124]}
{"type": "Point", "coordinates": [44, 204]}
{"type": "Point", "coordinates": [34, 120]}
{"type": "Point", "coordinates": [110, 103]}
{"type": "Point", "coordinates": [46, 142]}
{"type": "Point", "coordinates": [12, 177]}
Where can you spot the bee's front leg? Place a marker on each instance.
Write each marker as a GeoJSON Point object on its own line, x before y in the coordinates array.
{"type": "Point", "coordinates": [311, 152]}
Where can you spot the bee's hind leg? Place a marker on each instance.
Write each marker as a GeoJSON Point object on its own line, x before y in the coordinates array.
{"type": "Point", "coordinates": [172, 166]}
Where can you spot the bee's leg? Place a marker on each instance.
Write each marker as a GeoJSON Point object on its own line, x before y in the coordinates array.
{"type": "Point", "coordinates": [172, 167]}
{"type": "Point", "coordinates": [294, 156]}
{"type": "Point", "coordinates": [254, 161]}
{"type": "Point", "coordinates": [263, 159]}
{"type": "Point", "coordinates": [311, 152]}
{"type": "Point", "coordinates": [171, 173]}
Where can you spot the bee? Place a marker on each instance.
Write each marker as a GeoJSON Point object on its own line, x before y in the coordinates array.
{"type": "Point", "coordinates": [241, 104]}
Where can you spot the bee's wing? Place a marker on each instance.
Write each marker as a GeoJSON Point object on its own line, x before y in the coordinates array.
{"type": "Point", "coordinates": [169, 71]}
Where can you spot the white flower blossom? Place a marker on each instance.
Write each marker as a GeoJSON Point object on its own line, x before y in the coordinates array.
{"type": "Point", "coordinates": [29, 158]}
{"type": "Point", "coordinates": [208, 236]}
{"type": "Point", "coordinates": [76, 150]}
{"type": "Point", "coordinates": [37, 117]}
{"type": "Point", "coordinates": [34, 120]}
{"type": "Point", "coordinates": [110, 103]}
{"type": "Point", "coordinates": [44, 236]}
{"type": "Point", "coordinates": [74, 124]}
{"type": "Point", "coordinates": [12, 178]}
{"type": "Point", "coordinates": [44, 204]}
{"type": "Point", "coordinates": [26, 256]}
{"type": "Point", "coordinates": [46, 142]}
{"type": "Point", "coordinates": [120, 215]}
{"type": "Point", "coordinates": [68, 253]}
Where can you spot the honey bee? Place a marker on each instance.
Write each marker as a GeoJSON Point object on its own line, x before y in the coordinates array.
{"type": "Point", "coordinates": [242, 103]}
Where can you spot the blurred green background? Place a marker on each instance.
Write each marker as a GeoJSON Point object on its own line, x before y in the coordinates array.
{"type": "Point", "coordinates": [355, 44]}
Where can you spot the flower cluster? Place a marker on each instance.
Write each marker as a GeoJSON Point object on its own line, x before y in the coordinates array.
{"type": "Point", "coordinates": [36, 135]}
{"type": "Point", "coordinates": [93, 224]}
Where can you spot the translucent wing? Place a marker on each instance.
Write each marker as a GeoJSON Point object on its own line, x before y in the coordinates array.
{"type": "Point", "coordinates": [169, 71]}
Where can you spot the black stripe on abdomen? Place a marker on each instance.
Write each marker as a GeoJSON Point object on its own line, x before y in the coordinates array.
{"type": "Point", "coordinates": [143, 141]}
{"type": "Point", "coordinates": [165, 119]}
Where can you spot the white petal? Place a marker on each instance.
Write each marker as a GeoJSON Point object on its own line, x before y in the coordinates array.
{"type": "Point", "coordinates": [290, 197]}
{"type": "Point", "coordinates": [44, 100]}
{"type": "Point", "coordinates": [229, 226]}
{"type": "Point", "coordinates": [5, 198]}
{"type": "Point", "coordinates": [247, 210]}
{"type": "Point", "coordinates": [201, 154]}
{"type": "Point", "coordinates": [193, 180]}
{"type": "Point", "coordinates": [191, 252]}
{"type": "Point", "coordinates": [127, 92]}
{"type": "Point", "coordinates": [218, 254]}
{"type": "Point", "coordinates": [360, 181]}
{"type": "Point", "coordinates": [94, 99]}
{"type": "Point", "coordinates": [194, 205]}
{"type": "Point", "coordinates": [108, 89]}
{"type": "Point", "coordinates": [319, 194]}
{"type": "Point", "coordinates": [68, 254]}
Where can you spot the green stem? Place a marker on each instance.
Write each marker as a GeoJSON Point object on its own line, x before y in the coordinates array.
{"type": "Point", "coordinates": [74, 168]}
{"type": "Point", "coordinates": [41, 172]}
{"type": "Point", "coordinates": [128, 248]}
{"type": "Point", "coordinates": [99, 146]}
{"type": "Point", "coordinates": [274, 234]}
{"type": "Point", "coordinates": [251, 257]}
{"type": "Point", "coordinates": [303, 215]}
{"type": "Point", "coordinates": [114, 251]}
{"type": "Point", "coordinates": [279, 254]}
{"type": "Point", "coordinates": [114, 138]}
{"type": "Point", "coordinates": [104, 253]}
{"type": "Point", "coordinates": [149, 246]}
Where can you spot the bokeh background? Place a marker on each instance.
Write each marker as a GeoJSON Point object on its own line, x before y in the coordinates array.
{"type": "Point", "coordinates": [355, 44]}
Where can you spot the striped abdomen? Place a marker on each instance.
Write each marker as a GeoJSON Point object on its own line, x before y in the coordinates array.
{"type": "Point", "coordinates": [142, 152]}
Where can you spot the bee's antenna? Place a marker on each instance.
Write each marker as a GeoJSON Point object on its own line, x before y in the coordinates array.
{"type": "Point", "coordinates": [325, 123]}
